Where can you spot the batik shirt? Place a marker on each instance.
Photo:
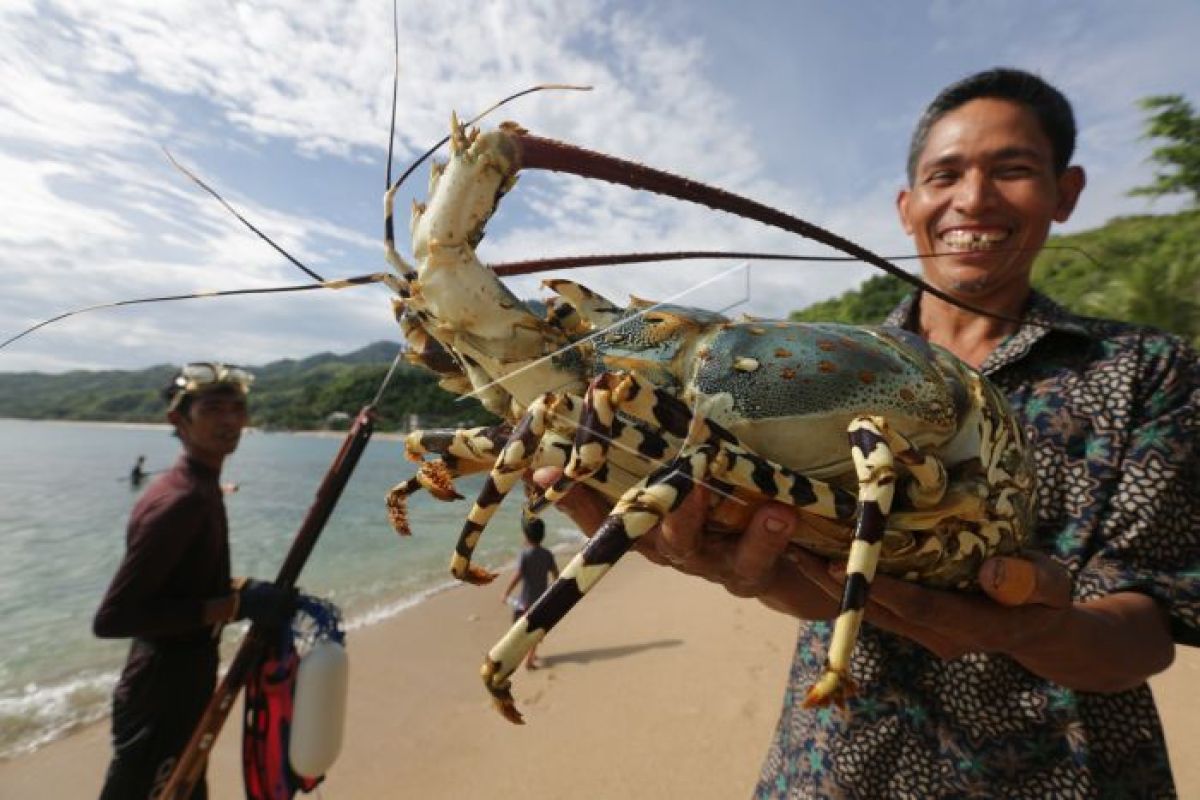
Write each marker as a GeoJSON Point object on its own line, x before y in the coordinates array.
{"type": "Point", "coordinates": [1110, 410]}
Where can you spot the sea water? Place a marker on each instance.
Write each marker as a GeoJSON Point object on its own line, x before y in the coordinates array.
{"type": "Point", "coordinates": [65, 497]}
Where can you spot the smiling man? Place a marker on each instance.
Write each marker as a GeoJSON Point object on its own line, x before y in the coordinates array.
{"type": "Point", "coordinates": [1035, 687]}
{"type": "Point", "coordinates": [172, 592]}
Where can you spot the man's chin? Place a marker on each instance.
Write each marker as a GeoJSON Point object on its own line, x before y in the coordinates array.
{"type": "Point", "coordinates": [970, 287]}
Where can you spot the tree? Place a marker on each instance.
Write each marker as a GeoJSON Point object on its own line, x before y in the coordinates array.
{"type": "Point", "coordinates": [1173, 120]}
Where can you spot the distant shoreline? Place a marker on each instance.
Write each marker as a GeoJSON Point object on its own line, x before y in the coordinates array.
{"type": "Point", "coordinates": [388, 436]}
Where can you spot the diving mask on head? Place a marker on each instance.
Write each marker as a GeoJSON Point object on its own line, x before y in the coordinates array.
{"type": "Point", "coordinates": [204, 376]}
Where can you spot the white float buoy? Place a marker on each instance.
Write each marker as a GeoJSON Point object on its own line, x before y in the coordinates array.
{"type": "Point", "coordinates": [319, 709]}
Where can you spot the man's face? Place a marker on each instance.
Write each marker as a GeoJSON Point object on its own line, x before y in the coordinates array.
{"type": "Point", "coordinates": [983, 198]}
{"type": "Point", "coordinates": [212, 426]}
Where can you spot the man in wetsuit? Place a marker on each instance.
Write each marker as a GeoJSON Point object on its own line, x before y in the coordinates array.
{"type": "Point", "coordinates": [172, 592]}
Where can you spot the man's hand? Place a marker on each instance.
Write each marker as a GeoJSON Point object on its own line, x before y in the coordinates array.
{"type": "Point", "coordinates": [1109, 644]}
{"type": "Point", "coordinates": [1022, 598]}
{"type": "Point", "coordinates": [264, 603]}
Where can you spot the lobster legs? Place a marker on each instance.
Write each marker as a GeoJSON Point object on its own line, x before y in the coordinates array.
{"type": "Point", "coordinates": [624, 410]}
{"type": "Point", "coordinates": [872, 445]}
{"type": "Point", "coordinates": [711, 455]}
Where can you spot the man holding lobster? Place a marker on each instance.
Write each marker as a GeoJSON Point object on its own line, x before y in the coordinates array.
{"type": "Point", "coordinates": [1035, 687]}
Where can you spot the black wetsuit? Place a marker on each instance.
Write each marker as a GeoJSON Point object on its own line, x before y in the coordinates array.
{"type": "Point", "coordinates": [176, 559]}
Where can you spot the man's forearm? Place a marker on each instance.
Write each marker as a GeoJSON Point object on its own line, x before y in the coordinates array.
{"type": "Point", "coordinates": [1111, 644]}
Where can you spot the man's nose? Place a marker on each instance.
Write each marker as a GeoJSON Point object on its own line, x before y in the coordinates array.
{"type": "Point", "coordinates": [974, 193]}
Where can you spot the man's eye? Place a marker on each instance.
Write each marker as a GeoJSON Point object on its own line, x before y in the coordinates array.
{"type": "Point", "coordinates": [941, 177]}
{"type": "Point", "coordinates": [1015, 171]}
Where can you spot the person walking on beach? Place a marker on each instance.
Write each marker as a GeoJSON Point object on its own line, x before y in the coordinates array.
{"type": "Point", "coordinates": [1035, 687]}
{"type": "Point", "coordinates": [172, 592]}
{"type": "Point", "coordinates": [535, 569]}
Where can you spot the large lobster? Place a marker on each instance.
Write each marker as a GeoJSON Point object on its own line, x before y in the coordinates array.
{"type": "Point", "coordinates": [894, 452]}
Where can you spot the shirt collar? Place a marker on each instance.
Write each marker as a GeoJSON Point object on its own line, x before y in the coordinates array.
{"type": "Point", "coordinates": [1040, 316]}
{"type": "Point", "coordinates": [199, 468]}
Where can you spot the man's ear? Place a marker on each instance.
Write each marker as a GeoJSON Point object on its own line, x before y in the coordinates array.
{"type": "Point", "coordinates": [1070, 186]}
{"type": "Point", "coordinates": [902, 210]}
{"type": "Point", "coordinates": [175, 418]}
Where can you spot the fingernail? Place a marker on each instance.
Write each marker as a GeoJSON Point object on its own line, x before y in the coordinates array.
{"type": "Point", "coordinates": [775, 525]}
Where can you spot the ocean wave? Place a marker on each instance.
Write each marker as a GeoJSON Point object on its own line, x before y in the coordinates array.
{"type": "Point", "coordinates": [41, 714]}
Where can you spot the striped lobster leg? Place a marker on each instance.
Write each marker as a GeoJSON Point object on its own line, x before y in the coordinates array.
{"type": "Point", "coordinates": [639, 509]}
{"type": "Point", "coordinates": [586, 459]}
{"type": "Point", "coordinates": [874, 464]}
{"type": "Point", "coordinates": [520, 453]}
{"type": "Point", "coordinates": [599, 429]}
{"type": "Point", "coordinates": [740, 467]}
{"type": "Point", "coordinates": [461, 451]}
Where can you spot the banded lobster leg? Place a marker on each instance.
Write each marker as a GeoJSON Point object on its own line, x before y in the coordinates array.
{"type": "Point", "coordinates": [461, 451]}
{"type": "Point", "coordinates": [875, 448]}
{"type": "Point", "coordinates": [638, 510]}
{"type": "Point", "coordinates": [527, 448]}
{"type": "Point", "coordinates": [599, 429]}
{"type": "Point", "coordinates": [520, 453]}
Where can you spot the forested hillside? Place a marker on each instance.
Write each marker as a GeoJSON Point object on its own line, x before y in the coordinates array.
{"type": "Point", "coordinates": [288, 394]}
{"type": "Point", "coordinates": [1141, 269]}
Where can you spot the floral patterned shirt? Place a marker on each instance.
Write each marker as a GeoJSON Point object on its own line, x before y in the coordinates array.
{"type": "Point", "coordinates": [1111, 411]}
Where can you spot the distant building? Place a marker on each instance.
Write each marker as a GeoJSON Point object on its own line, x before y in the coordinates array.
{"type": "Point", "coordinates": [337, 420]}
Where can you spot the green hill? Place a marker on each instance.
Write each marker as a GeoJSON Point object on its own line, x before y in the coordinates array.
{"type": "Point", "coordinates": [288, 394]}
{"type": "Point", "coordinates": [1141, 269]}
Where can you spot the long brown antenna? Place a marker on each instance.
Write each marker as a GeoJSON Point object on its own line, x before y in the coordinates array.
{"type": "Point", "coordinates": [507, 269]}
{"type": "Point", "coordinates": [541, 153]}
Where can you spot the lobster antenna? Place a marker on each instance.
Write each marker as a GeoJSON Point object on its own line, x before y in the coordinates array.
{"type": "Point", "coordinates": [241, 219]}
{"type": "Point", "coordinates": [395, 90]}
{"type": "Point", "coordinates": [342, 283]}
{"type": "Point", "coordinates": [512, 268]}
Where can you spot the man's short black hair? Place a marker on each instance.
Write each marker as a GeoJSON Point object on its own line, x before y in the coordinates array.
{"type": "Point", "coordinates": [1052, 109]}
{"type": "Point", "coordinates": [534, 528]}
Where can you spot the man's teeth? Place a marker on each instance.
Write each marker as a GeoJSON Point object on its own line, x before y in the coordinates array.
{"type": "Point", "coordinates": [973, 240]}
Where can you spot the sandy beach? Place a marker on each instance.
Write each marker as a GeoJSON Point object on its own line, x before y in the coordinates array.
{"type": "Point", "coordinates": [657, 686]}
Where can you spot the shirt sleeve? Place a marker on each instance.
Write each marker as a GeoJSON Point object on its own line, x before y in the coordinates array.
{"type": "Point", "coordinates": [1151, 532]}
{"type": "Point", "coordinates": [139, 601]}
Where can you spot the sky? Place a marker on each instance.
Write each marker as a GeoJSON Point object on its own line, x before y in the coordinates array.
{"type": "Point", "coordinates": [284, 108]}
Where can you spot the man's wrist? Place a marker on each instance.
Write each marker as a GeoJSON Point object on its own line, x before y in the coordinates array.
{"type": "Point", "coordinates": [221, 610]}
